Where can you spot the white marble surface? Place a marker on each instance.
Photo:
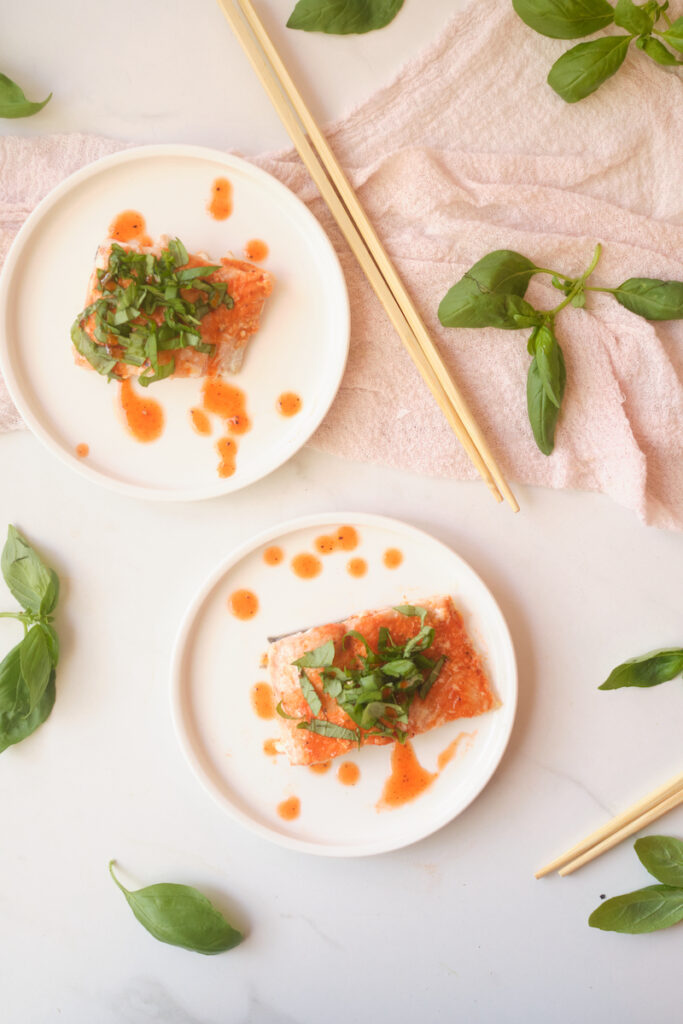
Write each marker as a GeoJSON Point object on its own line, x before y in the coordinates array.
{"type": "Point", "coordinates": [454, 927]}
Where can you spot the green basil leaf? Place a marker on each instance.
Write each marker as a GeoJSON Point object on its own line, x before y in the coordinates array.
{"type": "Point", "coordinates": [283, 714]}
{"type": "Point", "coordinates": [651, 298]}
{"type": "Point", "coordinates": [13, 103]}
{"type": "Point", "coordinates": [353, 633]}
{"type": "Point", "coordinates": [411, 610]}
{"type": "Point", "coordinates": [543, 414]}
{"type": "Point", "coordinates": [645, 910]}
{"type": "Point", "coordinates": [372, 712]}
{"type": "Point", "coordinates": [549, 363]}
{"type": "Point", "coordinates": [657, 51]}
{"type": "Point", "coordinates": [432, 677]}
{"type": "Point", "coordinates": [181, 916]}
{"type": "Point", "coordinates": [319, 657]}
{"type": "Point", "coordinates": [662, 856]}
{"type": "Point", "coordinates": [565, 19]}
{"type": "Point", "coordinates": [52, 641]}
{"type": "Point", "coordinates": [333, 687]}
{"type": "Point", "coordinates": [324, 728]}
{"type": "Point", "coordinates": [633, 18]}
{"type": "Point", "coordinates": [490, 294]}
{"type": "Point", "coordinates": [32, 583]}
{"type": "Point", "coordinates": [310, 694]}
{"type": "Point", "coordinates": [10, 681]}
{"type": "Point", "coordinates": [95, 354]}
{"type": "Point", "coordinates": [342, 17]}
{"type": "Point", "coordinates": [647, 670]}
{"type": "Point", "coordinates": [674, 35]}
{"type": "Point", "coordinates": [583, 69]}
{"type": "Point", "coordinates": [35, 663]}
{"type": "Point", "coordinates": [15, 726]}
{"type": "Point", "coordinates": [422, 641]}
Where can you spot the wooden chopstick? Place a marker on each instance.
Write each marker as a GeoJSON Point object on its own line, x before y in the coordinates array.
{"type": "Point", "coordinates": [639, 815]}
{"type": "Point", "coordinates": [367, 250]}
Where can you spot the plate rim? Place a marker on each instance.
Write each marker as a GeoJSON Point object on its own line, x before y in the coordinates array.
{"type": "Point", "coordinates": [216, 488]}
{"type": "Point", "coordinates": [182, 734]}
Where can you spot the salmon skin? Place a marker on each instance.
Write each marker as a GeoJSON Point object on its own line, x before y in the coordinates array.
{"type": "Point", "coordinates": [460, 689]}
{"type": "Point", "coordinates": [223, 332]}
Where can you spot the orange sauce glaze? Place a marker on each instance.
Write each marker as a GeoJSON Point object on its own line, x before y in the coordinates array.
{"type": "Point", "coordinates": [228, 402]}
{"type": "Point", "coordinates": [220, 203]}
{"type": "Point", "coordinates": [344, 539]}
{"type": "Point", "coordinates": [447, 755]}
{"type": "Point", "coordinates": [392, 558]}
{"type": "Point", "coordinates": [289, 403]}
{"type": "Point", "coordinates": [82, 450]}
{"type": "Point", "coordinates": [348, 773]}
{"type": "Point", "coordinates": [357, 567]}
{"type": "Point", "coordinates": [325, 544]}
{"type": "Point", "coordinates": [227, 449]}
{"type": "Point", "coordinates": [347, 538]}
{"type": "Point", "coordinates": [256, 250]}
{"type": "Point", "coordinates": [243, 604]}
{"type": "Point", "coordinates": [320, 769]}
{"type": "Point", "coordinates": [273, 556]}
{"type": "Point", "coordinates": [262, 700]}
{"type": "Point", "coordinates": [289, 809]}
{"type": "Point", "coordinates": [270, 748]}
{"type": "Point", "coordinates": [200, 421]}
{"type": "Point", "coordinates": [129, 226]}
{"type": "Point", "coordinates": [144, 416]}
{"type": "Point", "coordinates": [306, 566]}
{"type": "Point", "coordinates": [408, 778]}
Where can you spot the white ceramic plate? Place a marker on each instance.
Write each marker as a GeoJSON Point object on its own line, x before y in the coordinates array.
{"type": "Point", "coordinates": [302, 344]}
{"type": "Point", "coordinates": [216, 663]}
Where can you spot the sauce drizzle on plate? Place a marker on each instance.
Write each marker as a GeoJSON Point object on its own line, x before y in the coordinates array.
{"type": "Point", "coordinates": [256, 250]}
{"type": "Point", "coordinates": [262, 700]}
{"type": "Point", "coordinates": [243, 604]}
{"type": "Point", "coordinates": [289, 403]}
{"type": "Point", "coordinates": [273, 555]}
{"type": "Point", "coordinates": [220, 203]}
{"type": "Point", "coordinates": [306, 566]}
{"type": "Point", "coordinates": [348, 773]}
{"type": "Point", "coordinates": [392, 558]}
{"type": "Point", "coordinates": [129, 226]}
{"type": "Point", "coordinates": [408, 778]}
{"type": "Point", "coordinates": [289, 809]}
{"type": "Point", "coordinates": [144, 416]}
{"type": "Point", "coordinates": [82, 451]}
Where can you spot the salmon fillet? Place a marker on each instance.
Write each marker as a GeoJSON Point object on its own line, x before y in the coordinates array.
{"type": "Point", "coordinates": [227, 330]}
{"type": "Point", "coordinates": [461, 688]}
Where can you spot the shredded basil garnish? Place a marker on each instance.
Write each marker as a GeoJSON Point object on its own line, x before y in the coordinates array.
{"type": "Point", "coordinates": [145, 309]}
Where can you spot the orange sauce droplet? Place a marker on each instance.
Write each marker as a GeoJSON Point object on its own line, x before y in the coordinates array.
{"type": "Point", "coordinates": [447, 755]}
{"type": "Point", "coordinates": [273, 556]}
{"type": "Point", "coordinates": [306, 566]}
{"type": "Point", "coordinates": [320, 769]}
{"type": "Point", "coordinates": [325, 544]}
{"type": "Point", "coordinates": [348, 773]}
{"type": "Point", "coordinates": [243, 604]}
{"type": "Point", "coordinates": [347, 538]}
{"type": "Point", "coordinates": [289, 403]}
{"type": "Point", "coordinates": [82, 450]}
{"type": "Point", "coordinates": [270, 748]}
{"type": "Point", "coordinates": [392, 558]}
{"type": "Point", "coordinates": [357, 567]}
{"type": "Point", "coordinates": [256, 250]}
{"type": "Point", "coordinates": [144, 416]}
{"type": "Point", "coordinates": [227, 449]}
{"type": "Point", "coordinates": [220, 204]}
{"type": "Point", "coordinates": [289, 809]}
{"type": "Point", "coordinates": [262, 699]}
{"type": "Point", "coordinates": [239, 423]}
{"type": "Point", "coordinates": [129, 226]}
{"type": "Point", "coordinates": [228, 402]}
{"type": "Point", "coordinates": [200, 421]}
{"type": "Point", "coordinates": [408, 778]}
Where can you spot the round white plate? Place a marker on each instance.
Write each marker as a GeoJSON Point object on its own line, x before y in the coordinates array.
{"type": "Point", "coordinates": [217, 659]}
{"type": "Point", "coordinates": [302, 344]}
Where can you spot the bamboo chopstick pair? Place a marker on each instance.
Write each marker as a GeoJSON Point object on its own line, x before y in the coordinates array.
{"type": "Point", "coordinates": [640, 815]}
{"type": "Point", "coordinates": [362, 238]}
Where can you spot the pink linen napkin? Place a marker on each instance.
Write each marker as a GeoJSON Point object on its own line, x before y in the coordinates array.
{"type": "Point", "coordinates": [468, 150]}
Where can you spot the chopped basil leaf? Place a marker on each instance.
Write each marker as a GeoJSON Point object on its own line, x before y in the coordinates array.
{"type": "Point", "coordinates": [324, 728]}
{"type": "Point", "coordinates": [310, 694]}
{"type": "Point", "coordinates": [319, 657]}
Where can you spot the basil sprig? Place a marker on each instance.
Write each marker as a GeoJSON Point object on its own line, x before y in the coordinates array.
{"type": "Point", "coordinates": [27, 673]}
{"type": "Point", "coordinates": [584, 68]}
{"type": "Point", "coordinates": [343, 17]}
{"type": "Point", "coordinates": [181, 916]}
{"type": "Point", "coordinates": [656, 906]}
{"type": "Point", "coordinates": [144, 309]}
{"type": "Point", "coordinates": [646, 670]}
{"type": "Point", "coordinates": [378, 690]}
{"type": "Point", "coordinates": [13, 103]}
{"type": "Point", "coordinates": [491, 294]}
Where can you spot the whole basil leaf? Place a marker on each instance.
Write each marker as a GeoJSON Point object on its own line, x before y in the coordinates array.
{"type": "Point", "coordinates": [319, 657]}
{"type": "Point", "coordinates": [13, 103]}
{"type": "Point", "coordinates": [52, 641]}
{"type": "Point", "coordinates": [674, 35]}
{"type": "Point", "coordinates": [651, 298]}
{"type": "Point", "coordinates": [181, 916]}
{"type": "Point", "coordinates": [645, 910]}
{"type": "Point", "coordinates": [16, 725]}
{"type": "Point", "coordinates": [310, 693]}
{"type": "Point", "coordinates": [490, 294]}
{"type": "Point", "coordinates": [583, 69]}
{"type": "Point", "coordinates": [662, 856]}
{"type": "Point", "coordinates": [549, 362]}
{"type": "Point", "coordinates": [633, 18]}
{"type": "Point", "coordinates": [565, 19]}
{"type": "Point", "coordinates": [657, 51]}
{"type": "Point", "coordinates": [647, 670]}
{"type": "Point", "coordinates": [10, 680]}
{"type": "Point", "coordinates": [35, 664]}
{"type": "Point", "coordinates": [544, 413]}
{"type": "Point", "coordinates": [35, 587]}
{"type": "Point", "coordinates": [343, 17]}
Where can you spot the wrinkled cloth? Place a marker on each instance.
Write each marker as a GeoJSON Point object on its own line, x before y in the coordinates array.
{"type": "Point", "coordinates": [466, 151]}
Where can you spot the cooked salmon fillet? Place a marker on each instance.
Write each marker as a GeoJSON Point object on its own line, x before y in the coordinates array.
{"type": "Point", "coordinates": [461, 689]}
{"type": "Point", "coordinates": [228, 330]}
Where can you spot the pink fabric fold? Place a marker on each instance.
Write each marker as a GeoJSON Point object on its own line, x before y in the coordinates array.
{"type": "Point", "coordinates": [469, 150]}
